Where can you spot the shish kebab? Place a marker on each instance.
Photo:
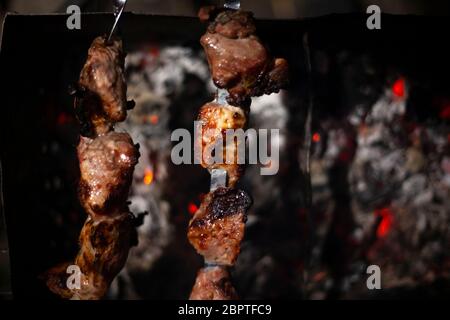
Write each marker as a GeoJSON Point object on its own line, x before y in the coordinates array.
{"type": "Point", "coordinates": [241, 68]}
{"type": "Point", "coordinates": [107, 160]}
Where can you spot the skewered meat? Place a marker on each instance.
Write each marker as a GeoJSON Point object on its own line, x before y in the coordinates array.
{"type": "Point", "coordinates": [106, 166]}
{"type": "Point", "coordinates": [240, 64]}
{"type": "Point", "coordinates": [104, 246]}
{"type": "Point", "coordinates": [56, 280]}
{"type": "Point", "coordinates": [237, 58]}
{"type": "Point", "coordinates": [217, 228]}
{"type": "Point", "coordinates": [216, 119]}
{"type": "Point", "coordinates": [107, 160]}
{"type": "Point", "coordinates": [103, 88]}
{"type": "Point", "coordinates": [213, 283]}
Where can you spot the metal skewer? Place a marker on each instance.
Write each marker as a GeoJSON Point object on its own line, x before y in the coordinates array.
{"type": "Point", "coordinates": [218, 179]}
{"type": "Point", "coordinates": [221, 96]}
{"type": "Point", "coordinates": [119, 5]}
{"type": "Point", "coordinates": [232, 4]}
{"type": "Point", "coordinates": [219, 176]}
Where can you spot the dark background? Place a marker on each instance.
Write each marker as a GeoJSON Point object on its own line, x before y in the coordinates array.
{"type": "Point", "coordinates": [40, 59]}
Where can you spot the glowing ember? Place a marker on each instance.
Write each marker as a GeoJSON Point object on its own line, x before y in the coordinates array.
{"type": "Point", "coordinates": [154, 51]}
{"type": "Point", "coordinates": [385, 223]}
{"type": "Point", "coordinates": [316, 137]}
{"type": "Point", "coordinates": [63, 118]}
{"type": "Point", "coordinates": [153, 119]}
{"type": "Point", "coordinates": [192, 208]}
{"type": "Point", "coordinates": [398, 88]}
{"type": "Point", "coordinates": [319, 276]}
{"type": "Point", "coordinates": [148, 176]}
{"type": "Point", "coordinates": [445, 112]}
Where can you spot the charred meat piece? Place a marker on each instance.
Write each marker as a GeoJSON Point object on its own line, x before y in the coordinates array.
{"type": "Point", "coordinates": [237, 58]}
{"type": "Point", "coordinates": [106, 165]}
{"type": "Point", "coordinates": [107, 160]}
{"type": "Point", "coordinates": [217, 228]}
{"type": "Point", "coordinates": [213, 283]}
{"type": "Point", "coordinates": [216, 119]}
{"type": "Point", "coordinates": [104, 246]}
{"type": "Point", "coordinates": [103, 87]}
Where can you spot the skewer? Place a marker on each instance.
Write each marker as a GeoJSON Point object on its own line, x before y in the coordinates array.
{"type": "Point", "coordinates": [217, 228]}
{"type": "Point", "coordinates": [219, 176]}
{"type": "Point", "coordinates": [218, 179]}
{"type": "Point", "coordinates": [221, 96]}
{"type": "Point", "coordinates": [232, 4]}
{"type": "Point", "coordinates": [119, 5]}
{"type": "Point", "coordinates": [110, 228]}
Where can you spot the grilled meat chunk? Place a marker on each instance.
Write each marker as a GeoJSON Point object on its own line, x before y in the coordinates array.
{"type": "Point", "coordinates": [107, 160]}
{"type": "Point", "coordinates": [56, 280]}
{"type": "Point", "coordinates": [217, 228]}
{"type": "Point", "coordinates": [240, 64]}
{"type": "Point", "coordinates": [237, 58]}
{"type": "Point", "coordinates": [213, 283]}
{"type": "Point", "coordinates": [106, 165]}
{"type": "Point", "coordinates": [104, 246]}
{"type": "Point", "coordinates": [216, 119]}
{"type": "Point", "coordinates": [103, 87]}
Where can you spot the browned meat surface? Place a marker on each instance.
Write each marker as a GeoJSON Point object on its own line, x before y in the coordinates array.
{"type": "Point", "coordinates": [240, 64]}
{"type": "Point", "coordinates": [104, 246]}
{"type": "Point", "coordinates": [103, 87]}
{"type": "Point", "coordinates": [237, 58]}
{"type": "Point", "coordinates": [215, 120]}
{"type": "Point", "coordinates": [217, 228]}
{"type": "Point", "coordinates": [107, 160]}
{"type": "Point", "coordinates": [213, 283]}
{"type": "Point", "coordinates": [106, 166]}
{"type": "Point", "coordinates": [56, 279]}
